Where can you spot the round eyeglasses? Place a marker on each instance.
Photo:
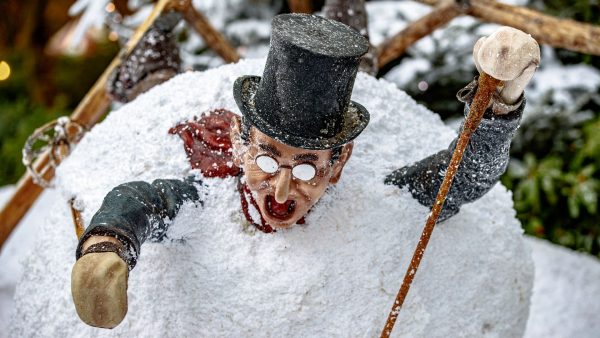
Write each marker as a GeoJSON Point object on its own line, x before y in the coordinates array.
{"type": "Point", "coordinates": [302, 171]}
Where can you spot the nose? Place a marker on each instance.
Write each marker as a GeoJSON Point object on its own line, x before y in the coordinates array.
{"type": "Point", "coordinates": [282, 186]}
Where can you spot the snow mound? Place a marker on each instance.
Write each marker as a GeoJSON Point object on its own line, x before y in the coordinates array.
{"type": "Point", "coordinates": [335, 276]}
{"type": "Point", "coordinates": [566, 293]}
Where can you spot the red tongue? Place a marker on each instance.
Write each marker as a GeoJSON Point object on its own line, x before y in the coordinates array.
{"type": "Point", "coordinates": [280, 208]}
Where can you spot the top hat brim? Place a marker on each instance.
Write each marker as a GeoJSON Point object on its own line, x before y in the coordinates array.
{"type": "Point", "coordinates": [355, 119]}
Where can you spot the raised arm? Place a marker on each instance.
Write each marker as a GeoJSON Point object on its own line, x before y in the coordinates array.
{"type": "Point", "coordinates": [130, 214]}
{"type": "Point", "coordinates": [509, 55]}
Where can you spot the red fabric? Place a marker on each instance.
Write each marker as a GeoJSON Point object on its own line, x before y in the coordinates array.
{"type": "Point", "coordinates": [207, 143]}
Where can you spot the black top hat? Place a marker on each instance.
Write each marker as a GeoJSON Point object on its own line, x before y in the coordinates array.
{"type": "Point", "coordinates": [303, 98]}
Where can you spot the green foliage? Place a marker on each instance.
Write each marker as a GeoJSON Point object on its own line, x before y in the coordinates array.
{"type": "Point", "coordinates": [18, 119]}
{"type": "Point", "coordinates": [580, 10]}
{"type": "Point", "coordinates": [73, 76]}
{"type": "Point", "coordinates": [555, 170]}
{"type": "Point", "coordinates": [557, 194]}
{"type": "Point", "coordinates": [28, 100]}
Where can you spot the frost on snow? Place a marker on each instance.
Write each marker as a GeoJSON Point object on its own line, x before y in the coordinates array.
{"type": "Point", "coordinates": [335, 276]}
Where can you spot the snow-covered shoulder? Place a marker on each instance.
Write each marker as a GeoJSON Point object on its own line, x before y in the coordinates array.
{"type": "Point", "coordinates": [337, 275]}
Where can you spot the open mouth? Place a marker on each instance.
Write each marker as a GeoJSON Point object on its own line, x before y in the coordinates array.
{"type": "Point", "coordinates": [281, 211]}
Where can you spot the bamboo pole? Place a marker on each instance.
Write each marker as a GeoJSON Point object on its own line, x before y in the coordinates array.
{"type": "Point", "coordinates": [88, 112]}
{"type": "Point", "coordinates": [487, 87]}
{"type": "Point", "coordinates": [560, 33]}
{"type": "Point", "coordinates": [395, 46]}
{"type": "Point", "coordinates": [212, 37]}
{"type": "Point", "coordinates": [300, 6]}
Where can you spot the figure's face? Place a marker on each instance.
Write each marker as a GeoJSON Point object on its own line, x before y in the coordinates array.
{"type": "Point", "coordinates": [286, 181]}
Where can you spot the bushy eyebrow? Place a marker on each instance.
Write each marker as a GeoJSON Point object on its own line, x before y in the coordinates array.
{"type": "Point", "coordinates": [270, 149]}
{"type": "Point", "coordinates": [306, 157]}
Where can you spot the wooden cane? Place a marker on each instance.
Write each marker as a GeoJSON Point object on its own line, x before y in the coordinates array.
{"type": "Point", "coordinates": [487, 87]}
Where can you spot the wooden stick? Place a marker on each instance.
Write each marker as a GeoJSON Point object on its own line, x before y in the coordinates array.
{"type": "Point", "coordinates": [354, 14]}
{"type": "Point", "coordinates": [560, 33]}
{"type": "Point", "coordinates": [396, 46]}
{"type": "Point", "coordinates": [487, 87]}
{"type": "Point", "coordinates": [77, 219]}
{"type": "Point", "coordinates": [350, 12]}
{"type": "Point", "coordinates": [88, 112]}
{"type": "Point", "coordinates": [213, 38]}
{"type": "Point", "coordinates": [300, 6]}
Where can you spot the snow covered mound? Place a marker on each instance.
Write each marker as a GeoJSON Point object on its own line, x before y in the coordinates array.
{"type": "Point", "coordinates": [336, 276]}
{"type": "Point", "coordinates": [566, 293]}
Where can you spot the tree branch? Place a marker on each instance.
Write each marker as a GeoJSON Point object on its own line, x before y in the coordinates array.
{"type": "Point", "coordinates": [561, 33]}
{"type": "Point", "coordinates": [300, 6]}
{"type": "Point", "coordinates": [396, 46]}
{"type": "Point", "coordinates": [354, 14]}
{"type": "Point", "coordinates": [212, 37]}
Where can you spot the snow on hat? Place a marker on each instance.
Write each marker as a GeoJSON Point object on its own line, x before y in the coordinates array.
{"type": "Point", "coordinates": [303, 97]}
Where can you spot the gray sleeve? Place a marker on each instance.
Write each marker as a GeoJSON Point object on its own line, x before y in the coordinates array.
{"type": "Point", "coordinates": [136, 211]}
{"type": "Point", "coordinates": [484, 161]}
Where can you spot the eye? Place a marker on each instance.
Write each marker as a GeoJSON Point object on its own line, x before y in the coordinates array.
{"type": "Point", "coordinates": [304, 172]}
{"type": "Point", "coordinates": [267, 164]}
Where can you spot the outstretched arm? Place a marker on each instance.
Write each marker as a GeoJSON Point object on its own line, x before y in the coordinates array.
{"type": "Point", "coordinates": [509, 55]}
{"type": "Point", "coordinates": [130, 214]}
{"type": "Point", "coordinates": [135, 211]}
{"type": "Point", "coordinates": [484, 161]}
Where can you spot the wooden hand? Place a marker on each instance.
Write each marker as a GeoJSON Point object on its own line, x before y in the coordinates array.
{"type": "Point", "coordinates": [511, 56]}
{"type": "Point", "coordinates": [99, 286]}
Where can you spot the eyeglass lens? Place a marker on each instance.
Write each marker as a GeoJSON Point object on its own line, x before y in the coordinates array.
{"type": "Point", "coordinates": [303, 171]}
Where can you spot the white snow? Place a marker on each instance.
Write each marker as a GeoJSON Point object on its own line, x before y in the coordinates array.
{"type": "Point", "coordinates": [565, 300]}
{"type": "Point", "coordinates": [387, 18]}
{"type": "Point", "coordinates": [92, 15]}
{"type": "Point", "coordinates": [20, 242]}
{"type": "Point", "coordinates": [566, 293]}
{"type": "Point", "coordinates": [406, 71]}
{"type": "Point", "coordinates": [563, 84]}
{"type": "Point", "coordinates": [555, 88]}
{"type": "Point", "coordinates": [335, 276]}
